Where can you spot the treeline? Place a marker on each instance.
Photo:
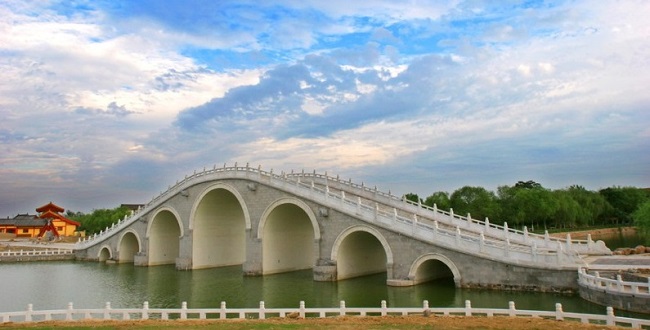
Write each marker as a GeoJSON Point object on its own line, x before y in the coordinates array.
{"type": "Point", "coordinates": [529, 204]}
{"type": "Point", "coordinates": [99, 219]}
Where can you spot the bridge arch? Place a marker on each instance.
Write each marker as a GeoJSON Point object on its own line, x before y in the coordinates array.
{"type": "Point", "coordinates": [129, 244]}
{"type": "Point", "coordinates": [289, 233]}
{"type": "Point", "coordinates": [218, 222]}
{"type": "Point", "coordinates": [105, 253]}
{"type": "Point", "coordinates": [164, 232]}
{"type": "Point", "coordinates": [433, 266]}
{"type": "Point", "coordinates": [361, 250]}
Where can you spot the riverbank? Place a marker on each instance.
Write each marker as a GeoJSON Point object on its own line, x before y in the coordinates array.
{"type": "Point", "coordinates": [351, 323]}
{"type": "Point", "coordinates": [598, 234]}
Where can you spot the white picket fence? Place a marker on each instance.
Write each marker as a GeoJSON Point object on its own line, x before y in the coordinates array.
{"type": "Point", "coordinates": [35, 252]}
{"type": "Point", "coordinates": [184, 313]}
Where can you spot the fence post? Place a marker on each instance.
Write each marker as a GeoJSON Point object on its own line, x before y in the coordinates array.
{"type": "Point", "coordinates": [559, 314]}
{"type": "Point", "coordinates": [68, 313]}
{"type": "Point", "coordinates": [184, 310]}
{"type": "Point", "coordinates": [511, 308]}
{"type": "Point", "coordinates": [611, 319]}
{"type": "Point", "coordinates": [468, 308]}
{"type": "Point", "coordinates": [302, 309]}
{"type": "Point", "coordinates": [222, 312]}
{"type": "Point", "coordinates": [28, 314]}
{"type": "Point", "coordinates": [383, 308]}
{"type": "Point", "coordinates": [107, 313]}
{"type": "Point", "coordinates": [342, 308]}
{"type": "Point", "coordinates": [145, 310]}
{"type": "Point", "coordinates": [262, 313]}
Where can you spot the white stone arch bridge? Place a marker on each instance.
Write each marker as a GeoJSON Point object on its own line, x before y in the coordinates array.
{"type": "Point", "coordinates": [271, 223]}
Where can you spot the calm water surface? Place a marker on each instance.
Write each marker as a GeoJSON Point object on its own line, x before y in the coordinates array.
{"type": "Point", "coordinates": [51, 285]}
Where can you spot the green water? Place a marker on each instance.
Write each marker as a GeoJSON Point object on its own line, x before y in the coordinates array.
{"type": "Point", "coordinates": [51, 285]}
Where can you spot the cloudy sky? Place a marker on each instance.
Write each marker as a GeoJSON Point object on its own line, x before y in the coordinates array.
{"type": "Point", "coordinates": [109, 102]}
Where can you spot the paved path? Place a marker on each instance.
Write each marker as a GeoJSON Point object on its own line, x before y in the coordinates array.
{"type": "Point", "coordinates": [641, 261]}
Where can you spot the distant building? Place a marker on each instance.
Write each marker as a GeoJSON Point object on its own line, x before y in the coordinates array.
{"type": "Point", "coordinates": [49, 218]}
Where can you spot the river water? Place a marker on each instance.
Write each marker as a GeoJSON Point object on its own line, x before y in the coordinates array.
{"type": "Point", "coordinates": [52, 285]}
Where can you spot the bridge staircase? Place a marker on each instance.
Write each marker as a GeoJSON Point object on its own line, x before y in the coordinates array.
{"type": "Point", "coordinates": [428, 224]}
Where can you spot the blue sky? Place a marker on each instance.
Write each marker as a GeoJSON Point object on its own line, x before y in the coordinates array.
{"type": "Point", "coordinates": [109, 102]}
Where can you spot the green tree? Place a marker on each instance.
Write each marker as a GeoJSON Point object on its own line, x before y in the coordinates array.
{"type": "Point", "coordinates": [642, 220]}
{"type": "Point", "coordinates": [412, 197]}
{"type": "Point", "coordinates": [527, 205]}
{"type": "Point", "coordinates": [592, 205]}
{"type": "Point", "coordinates": [477, 201]}
{"type": "Point", "coordinates": [440, 199]}
{"type": "Point", "coordinates": [624, 201]}
{"type": "Point", "coordinates": [99, 219]}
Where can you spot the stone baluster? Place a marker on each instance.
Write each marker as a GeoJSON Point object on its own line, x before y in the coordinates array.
{"type": "Point", "coordinates": [568, 242]}
{"type": "Point", "coordinates": [262, 312]}
{"type": "Point", "coordinates": [525, 234]}
{"type": "Point", "coordinates": [559, 313]}
{"type": "Point", "coordinates": [222, 312]}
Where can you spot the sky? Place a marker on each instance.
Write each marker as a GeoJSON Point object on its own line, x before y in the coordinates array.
{"type": "Point", "coordinates": [110, 102]}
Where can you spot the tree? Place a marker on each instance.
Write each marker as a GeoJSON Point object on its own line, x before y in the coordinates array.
{"type": "Point", "coordinates": [412, 197]}
{"type": "Point", "coordinates": [99, 219]}
{"type": "Point", "coordinates": [624, 201]}
{"type": "Point", "coordinates": [440, 199]}
{"type": "Point", "coordinates": [642, 220]}
{"type": "Point", "coordinates": [477, 201]}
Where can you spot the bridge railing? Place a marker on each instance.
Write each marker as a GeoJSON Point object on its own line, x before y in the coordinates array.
{"type": "Point", "coordinates": [262, 312]}
{"type": "Point", "coordinates": [613, 286]}
{"type": "Point", "coordinates": [459, 239]}
{"type": "Point", "coordinates": [448, 217]}
{"type": "Point", "coordinates": [34, 252]}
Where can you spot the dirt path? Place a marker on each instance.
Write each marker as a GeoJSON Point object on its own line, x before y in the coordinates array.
{"type": "Point", "coordinates": [351, 323]}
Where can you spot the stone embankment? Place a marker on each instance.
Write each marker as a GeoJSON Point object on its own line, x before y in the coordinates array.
{"type": "Point", "coordinates": [639, 249]}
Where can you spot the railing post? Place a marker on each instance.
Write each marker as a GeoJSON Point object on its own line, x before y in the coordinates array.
{"type": "Point", "coordinates": [451, 213]}
{"type": "Point", "coordinates": [559, 314]}
{"type": "Point", "coordinates": [68, 312]}
{"type": "Point", "coordinates": [619, 283]}
{"type": "Point", "coordinates": [611, 319]}
{"type": "Point", "coordinates": [222, 311]}
{"type": "Point", "coordinates": [342, 308]}
{"type": "Point", "coordinates": [590, 243]}
{"type": "Point", "coordinates": [383, 308]}
{"type": "Point", "coordinates": [302, 309]}
{"type": "Point", "coordinates": [262, 312]}
{"type": "Point", "coordinates": [107, 311]}
{"type": "Point", "coordinates": [511, 308]}
{"type": "Point", "coordinates": [184, 308]}
{"type": "Point", "coordinates": [28, 314]}
{"type": "Point", "coordinates": [469, 220]}
{"type": "Point", "coordinates": [505, 230]}
{"type": "Point", "coordinates": [568, 242]}
{"type": "Point", "coordinates": [425, 304]}
{"type": "Point", "coordinates": [547, 238]}
{"type": "Point", "coordinates": [525, 234]}
{"type": "Point", "coordinates": [468, 308]}
{"type": "Point", "coordinates": [145, 310]}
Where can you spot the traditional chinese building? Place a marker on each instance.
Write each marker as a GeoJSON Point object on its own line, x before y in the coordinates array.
{"type": "Point", "coordinates": [49, 218]}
